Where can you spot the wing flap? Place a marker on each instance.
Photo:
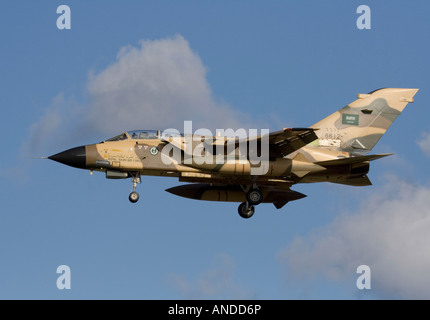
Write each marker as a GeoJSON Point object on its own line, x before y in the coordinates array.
{"type": "Point", "coordinates": [285, 141]}
{"type": "Point", "coordinates": [290, 140]}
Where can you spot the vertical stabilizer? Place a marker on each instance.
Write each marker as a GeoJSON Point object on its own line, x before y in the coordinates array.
{"type": "Point", "coordinates": [360, 125]}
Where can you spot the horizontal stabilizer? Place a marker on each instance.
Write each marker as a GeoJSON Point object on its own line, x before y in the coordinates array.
{"type": "Point", "coordinates": [351, 160]}
{"type": "Point", "coordinates": [356, 182]}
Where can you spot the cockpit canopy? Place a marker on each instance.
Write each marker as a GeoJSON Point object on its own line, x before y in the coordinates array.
{"type": "Point", "coordinates": [137, 134]}
{"type": "Point", "coordinates": [144, 134]}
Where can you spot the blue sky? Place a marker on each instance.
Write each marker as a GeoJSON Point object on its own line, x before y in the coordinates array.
{"type": "Point", "coordinates": [153, 64]}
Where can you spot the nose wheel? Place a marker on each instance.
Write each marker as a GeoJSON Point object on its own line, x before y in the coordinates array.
{"type": "Point", "coordinates": [134, 196]}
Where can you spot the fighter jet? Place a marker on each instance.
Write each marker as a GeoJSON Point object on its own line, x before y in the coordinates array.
{"type": "Point", "coordinates": [221, 168]}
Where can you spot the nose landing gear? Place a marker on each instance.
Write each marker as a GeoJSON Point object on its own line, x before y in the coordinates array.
{"type": "Point", "coordinates": [134, 196]}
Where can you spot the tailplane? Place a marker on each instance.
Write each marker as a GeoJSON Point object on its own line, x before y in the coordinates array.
{"type": "Point", "coordinates": [359, 126]}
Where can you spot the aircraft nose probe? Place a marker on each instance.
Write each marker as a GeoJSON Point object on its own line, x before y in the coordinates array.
{"type": "Point", "coordinates": [75, 157]}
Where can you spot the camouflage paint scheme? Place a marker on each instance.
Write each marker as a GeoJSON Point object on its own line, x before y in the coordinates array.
{"type": "Point", "coordinates": [332, 150]}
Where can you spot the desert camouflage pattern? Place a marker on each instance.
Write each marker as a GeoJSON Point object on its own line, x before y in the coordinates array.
{"type": "Point", "coordinates": [359, 126]}
{"type": "Point", "coordinates": [332, 150]}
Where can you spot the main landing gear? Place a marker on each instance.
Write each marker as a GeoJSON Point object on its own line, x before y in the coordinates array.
{"type": "Point", "coordinates": [254, 197]}
{"type": "Point", "coordinates": [246, 210]}
{"type": "Point", "coordinates": [134, 196]}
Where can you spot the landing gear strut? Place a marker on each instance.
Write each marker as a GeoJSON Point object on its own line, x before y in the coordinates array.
{"type": "Point", "coordinates": [134, 196]}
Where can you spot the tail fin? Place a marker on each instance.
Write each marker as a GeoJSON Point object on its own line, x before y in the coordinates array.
{"type": "Point", "coordinates": [360, 125]}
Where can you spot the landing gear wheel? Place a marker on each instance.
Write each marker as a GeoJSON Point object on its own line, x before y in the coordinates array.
{"type": "Point", "coordinates": [133, 197]}
{"type": "Point", "coordinates": [254, 196]}
{"type": "Point", "coordinates": [245, 210]}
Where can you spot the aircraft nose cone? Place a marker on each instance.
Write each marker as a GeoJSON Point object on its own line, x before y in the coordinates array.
{"type": "Point", "coordinates": [75, 157]}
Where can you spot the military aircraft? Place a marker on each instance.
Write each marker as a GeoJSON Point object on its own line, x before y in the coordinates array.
{"type": "Point", "coordinates": [332, 150]}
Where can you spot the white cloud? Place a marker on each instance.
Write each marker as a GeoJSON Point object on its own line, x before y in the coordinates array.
{"type": "Point", "coordinates": [215, 283]}
{"type": "Point", "coordinates": [389, 233]}
{"type": "Point", "coordinates": [157, 85]}
{"type": "Point", "coordinates": [161, 83]}
{"type": "Point", "coordinates": [424, 143]}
